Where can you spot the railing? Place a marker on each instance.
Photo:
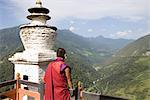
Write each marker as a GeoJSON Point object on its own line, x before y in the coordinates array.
{"type": "Point", "coordinates": [10, 94]}
{"type": "Point", "coordinates": [37, 95]}
{"type": "Point", "coordinates": [18, 93]}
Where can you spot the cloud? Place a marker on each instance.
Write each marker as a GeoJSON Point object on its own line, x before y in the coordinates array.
{"type": "Point", "coordinates": [72, 28]}
{"type": "Point", "coordinates": [89, 9]}
{"type": "Point", "coordinates": [120, 34]}
{"type": "Point", "coordinates": [72, 22]}
{"type": "Point", "coordinates": [90, 30]}
{"type": "Point", "coordinates": [129, 31]}
{"type": "Point", "coordinates": [124, 33]}
{"type": "Point", "coordinates": [114, 17]}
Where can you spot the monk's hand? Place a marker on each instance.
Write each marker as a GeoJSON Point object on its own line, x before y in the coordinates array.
{"type": "Point", "coordinates": [71, 93]}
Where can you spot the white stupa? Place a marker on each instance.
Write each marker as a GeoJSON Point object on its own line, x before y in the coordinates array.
{"type": "Point", "coordinates": [38, 39]}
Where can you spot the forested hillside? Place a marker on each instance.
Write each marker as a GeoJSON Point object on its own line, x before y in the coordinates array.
{"type": "Point", "coordinates": [83, 53]}
{"type": "Point", "coordinates": [127, 72]}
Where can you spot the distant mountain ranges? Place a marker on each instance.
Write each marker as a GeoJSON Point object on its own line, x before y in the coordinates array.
{"type": "Point", "coordinates": [117, 67]}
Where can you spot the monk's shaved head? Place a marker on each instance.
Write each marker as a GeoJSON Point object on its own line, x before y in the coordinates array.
{"type": "Point", "coordinates": [61, 52]}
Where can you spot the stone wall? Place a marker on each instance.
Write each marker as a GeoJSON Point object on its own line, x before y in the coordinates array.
{"type": "Point", "coordinates": [95, 96]}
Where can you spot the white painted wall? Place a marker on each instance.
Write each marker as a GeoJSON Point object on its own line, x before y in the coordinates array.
{"type": "Point", "coordinates": [32, 71]}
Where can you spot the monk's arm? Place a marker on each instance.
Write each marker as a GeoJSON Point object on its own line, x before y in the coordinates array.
{"type": "Point", "coordinates": [68, 75]}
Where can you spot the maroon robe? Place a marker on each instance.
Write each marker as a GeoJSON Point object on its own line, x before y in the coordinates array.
{"type": "Point", "coordinates": [55, 81]}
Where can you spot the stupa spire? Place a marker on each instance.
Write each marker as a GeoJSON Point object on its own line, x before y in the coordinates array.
{"type": "Point", "coordinates": [38, 3]}
{"type": "Point", "coordinates": [38, 14]}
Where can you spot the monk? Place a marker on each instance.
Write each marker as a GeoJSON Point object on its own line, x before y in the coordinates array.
{"type": "Point", "coordinates": [57, 78]}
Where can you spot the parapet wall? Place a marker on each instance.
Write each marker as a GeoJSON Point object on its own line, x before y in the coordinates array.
{"type": "Point", "coordinates": [95, 96]}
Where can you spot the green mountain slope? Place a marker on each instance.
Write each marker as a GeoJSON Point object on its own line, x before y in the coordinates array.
{"type": "Point", "coordinates": [127, 73]}
{"type": "Point", "coordinates": [82, 53]}
{"type": "Point", "coordinates": [137, 48]}
{"type": "Point", "coordinates": [9, 40]}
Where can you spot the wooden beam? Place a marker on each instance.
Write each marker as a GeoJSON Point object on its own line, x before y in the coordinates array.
{"type": "Point", "coordinates": [10, 94]}
{"type": "Point", "coordinates": [29, 83]}
{"type": "Point", "coordinates": [6, 83]}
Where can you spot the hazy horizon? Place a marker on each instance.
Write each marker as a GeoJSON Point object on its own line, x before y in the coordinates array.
{"type": "Point", "coordinates": [89, 18]}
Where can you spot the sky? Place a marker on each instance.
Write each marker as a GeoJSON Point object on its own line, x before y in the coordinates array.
{"type": "Point", "coordinates": [89, 18]}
